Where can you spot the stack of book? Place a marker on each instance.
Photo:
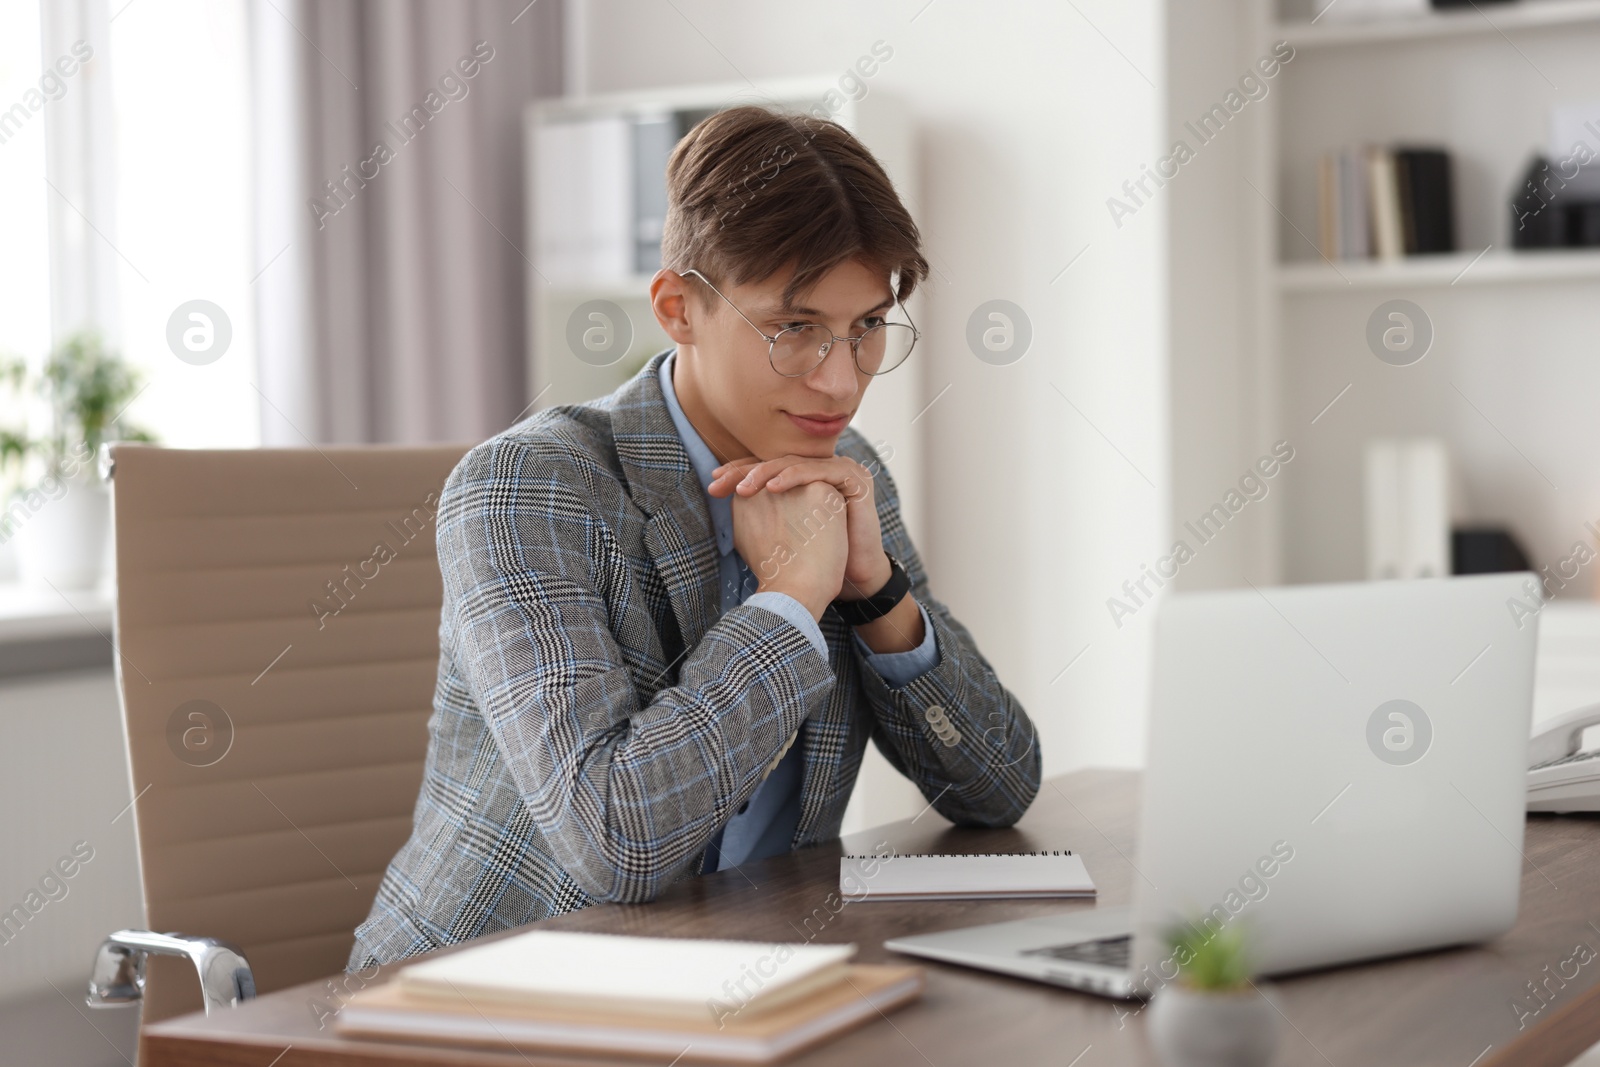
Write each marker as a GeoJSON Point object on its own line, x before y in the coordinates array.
{"type": "Point", "coordinates": [669, 999]}
{"type": "Point", "coordinates": [1385, 203]}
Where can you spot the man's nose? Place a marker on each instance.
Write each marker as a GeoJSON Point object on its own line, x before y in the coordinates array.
{"type": "Point", "coordinates": [836, 374]}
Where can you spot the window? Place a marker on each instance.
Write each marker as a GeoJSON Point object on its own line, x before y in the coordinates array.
{"type": "Point", "coordinates": [24, 247]}
{"type": "Point", "coordinates": [149, 145]}
{"type": "Point", "coordinates": [181, 114]}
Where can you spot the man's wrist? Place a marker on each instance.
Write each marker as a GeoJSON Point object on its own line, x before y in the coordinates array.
{"type": "Point", "coordinates": [870, 586]}
{"type": "Point", "coordinates": [813, 603]}
{"type": "Point", "coordinates": [901, 630]}
{"type": "Point", "coordinates": [875, 605]}
{"type": "Point", "coordinates": [796, 613]}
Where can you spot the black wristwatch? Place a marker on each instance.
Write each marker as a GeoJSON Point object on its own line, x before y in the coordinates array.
{"type": "Point", "coordinates": [879, 604]}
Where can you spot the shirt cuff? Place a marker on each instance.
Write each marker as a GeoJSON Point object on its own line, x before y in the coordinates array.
{"type": "Point", "coordinates": [902, 668]}
{"type": "Point", "coordinates": [791, 609]}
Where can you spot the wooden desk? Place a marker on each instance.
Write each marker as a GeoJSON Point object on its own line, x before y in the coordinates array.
{"type": "Point", "coordinates": [1451, 1007]}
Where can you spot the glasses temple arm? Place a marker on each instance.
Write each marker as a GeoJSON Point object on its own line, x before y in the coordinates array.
{"type": "Point", "coordinates": [770, 340]}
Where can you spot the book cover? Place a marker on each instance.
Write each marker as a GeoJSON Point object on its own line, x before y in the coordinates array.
{"type": "Point", "coordinates": [865, 993]}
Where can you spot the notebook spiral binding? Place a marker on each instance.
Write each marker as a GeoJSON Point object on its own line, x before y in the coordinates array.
{"type": "Point", "coordinates": [955, 855]}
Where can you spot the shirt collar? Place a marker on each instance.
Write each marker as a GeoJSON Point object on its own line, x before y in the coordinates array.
{"type": "Point", "coordinates": [701, 458]}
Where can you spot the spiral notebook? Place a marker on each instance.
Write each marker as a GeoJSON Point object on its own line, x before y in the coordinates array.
{"type": "Point", "coordinates": [951, 876]}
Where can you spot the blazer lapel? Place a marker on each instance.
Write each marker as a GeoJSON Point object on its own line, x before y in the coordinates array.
{"type": "Point", "coordinates": [662, 482]}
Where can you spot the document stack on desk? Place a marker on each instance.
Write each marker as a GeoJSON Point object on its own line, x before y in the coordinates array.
{"type": "Point", "coordinates": [698, 1000]}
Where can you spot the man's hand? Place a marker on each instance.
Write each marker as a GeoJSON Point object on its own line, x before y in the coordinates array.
{"type": "Point", "coordinates": [794, 541]}
{"type": "Point", "coordinates": [867, 567]}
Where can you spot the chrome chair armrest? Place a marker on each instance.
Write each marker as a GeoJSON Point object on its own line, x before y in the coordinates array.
{"type": "Point", "coordinates": [119, 964]}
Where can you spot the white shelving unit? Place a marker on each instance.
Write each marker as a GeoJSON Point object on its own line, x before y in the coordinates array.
{"type": "Point", "coordinates": [1492, 267]}
{"type": "Point", "coordinates": [1510, 380]}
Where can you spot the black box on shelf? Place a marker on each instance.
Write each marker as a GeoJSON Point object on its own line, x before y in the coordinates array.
{"type": "Point", "coordinates": [1549, 210]}
{"type": "Point", "coordinates": [1485, 550]}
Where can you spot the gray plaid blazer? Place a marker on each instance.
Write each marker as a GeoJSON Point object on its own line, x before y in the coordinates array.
{"type": "Point", "coordinates": [597, 717]}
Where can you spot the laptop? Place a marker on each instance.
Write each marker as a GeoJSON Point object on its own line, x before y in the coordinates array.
{"type": "Point", "coordinates": [1340, 768]}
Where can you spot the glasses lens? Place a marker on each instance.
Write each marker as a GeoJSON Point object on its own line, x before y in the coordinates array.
{"type": "Point", "coordinates": [799, 349]}
{"type": "Point", "coordinates": [884, 347]}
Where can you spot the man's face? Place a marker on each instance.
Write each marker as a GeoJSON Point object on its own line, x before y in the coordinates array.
{"type": "Point", "coordinates": [724, 378]}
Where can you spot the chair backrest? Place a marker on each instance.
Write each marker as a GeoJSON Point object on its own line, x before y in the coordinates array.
{"type": "Point", "coordinates": [277, 633]}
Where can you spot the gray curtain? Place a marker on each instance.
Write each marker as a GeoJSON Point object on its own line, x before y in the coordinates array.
{"type": "Point", "coordinates": [396, 311]}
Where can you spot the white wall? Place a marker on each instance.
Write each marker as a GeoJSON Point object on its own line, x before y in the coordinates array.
{"type": "Point", "coordinates": [1030, 115]}
{"type": "Point", "coordinates": [1223, 383]}
{"type": "Point", "coordinates": [63, 780]}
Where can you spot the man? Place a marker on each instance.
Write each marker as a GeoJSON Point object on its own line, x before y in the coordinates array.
{"type": "Point", "coordinates": [673, 617]}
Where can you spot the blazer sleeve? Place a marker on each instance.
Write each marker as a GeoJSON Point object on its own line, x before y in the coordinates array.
{"type": "Point", "coordinates": [954, 730]}
{"type": "Point", "coordinates": [626, 785]}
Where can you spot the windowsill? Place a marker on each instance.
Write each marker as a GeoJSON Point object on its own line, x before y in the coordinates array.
{"type": "Point", "coordinates": [28, 614]}
{"type": "Point", "coordinates": [43, 631]}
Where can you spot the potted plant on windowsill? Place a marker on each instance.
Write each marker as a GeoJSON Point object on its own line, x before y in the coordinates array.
{"type": "Point", "coordinates": [57, 511]}
{"type": "Point", "coordinates": [1213, 1014]}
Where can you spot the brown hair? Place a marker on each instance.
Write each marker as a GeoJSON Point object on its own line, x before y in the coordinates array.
{"type": "Point", "coordinates": [750, 190]}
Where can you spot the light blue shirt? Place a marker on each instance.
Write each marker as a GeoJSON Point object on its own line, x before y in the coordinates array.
{"type": "Point", "coordinates": [765, 825]}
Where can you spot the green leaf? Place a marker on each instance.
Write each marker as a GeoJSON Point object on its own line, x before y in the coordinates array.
{"type": "Point", "coordinates": [88, 386]}
{"type": "Point", "coordinates": [1210, 956]}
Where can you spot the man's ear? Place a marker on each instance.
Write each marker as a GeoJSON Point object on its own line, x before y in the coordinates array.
{"type": "Point", "coordinates": [671, 302]}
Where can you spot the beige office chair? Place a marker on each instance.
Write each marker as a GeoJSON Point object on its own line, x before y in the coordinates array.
{"type": "Point", "coordinates": [277, 641]}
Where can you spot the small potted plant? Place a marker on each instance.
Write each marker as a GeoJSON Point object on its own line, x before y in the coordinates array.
{"type": "Point", "coordinates": [57, 511]}
{"type": "Point", "coordinates": [1212, 1014]}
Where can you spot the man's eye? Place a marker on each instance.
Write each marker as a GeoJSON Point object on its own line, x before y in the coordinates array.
{"type": "Point", "coordinates": [793, 325]}
{"type": "Point", "coordinates": [872, 320]}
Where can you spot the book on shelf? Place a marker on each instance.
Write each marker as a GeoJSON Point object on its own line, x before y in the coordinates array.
{"type": "Point", "coordinates": [700, 1000]}
{"type": "Point", "coordinates": [1387, 235]}
{"type": "Point", "coordinates": [1384, 203]}
{"type": "Point", "coordinates": [1411, 496]}
{"type": "Point", "coordinates": [1426, 201]}
{"type": "Point", "coordinates": [1327, 206]}
{"type": "Point", "coordinates": [1355, 231]}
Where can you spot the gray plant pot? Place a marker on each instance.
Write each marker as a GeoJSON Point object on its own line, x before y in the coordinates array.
{"type": "Point", "coordinates": [1195, 1028]}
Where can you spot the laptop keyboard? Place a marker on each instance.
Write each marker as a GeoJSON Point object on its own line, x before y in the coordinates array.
{"type": "Point", "coordinates": [1576, 757]}
{"type": "Point", "coordinates": [1104, 952]}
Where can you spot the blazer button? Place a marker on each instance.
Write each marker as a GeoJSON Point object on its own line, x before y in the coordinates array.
{"type": "Point", "coordinates": [934, 714]}
{"type": "Point", "coordinates": [951, 738]}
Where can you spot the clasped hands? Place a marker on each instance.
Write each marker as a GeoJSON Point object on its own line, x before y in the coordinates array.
{"type": "Point", "coordinates": [787, 528]}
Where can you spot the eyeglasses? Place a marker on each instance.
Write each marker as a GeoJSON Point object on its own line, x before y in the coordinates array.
{"type": "Point", "coordinates": [801, 348]}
